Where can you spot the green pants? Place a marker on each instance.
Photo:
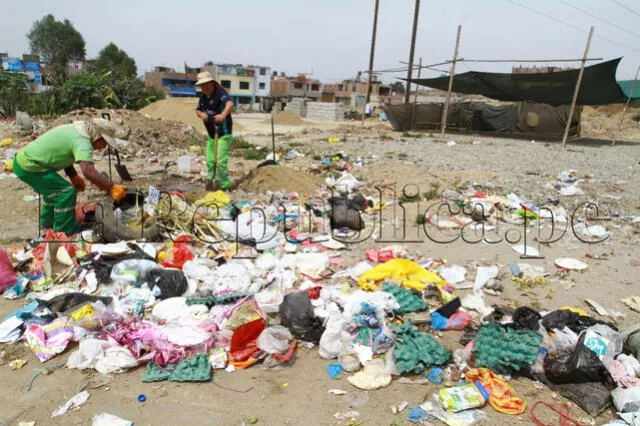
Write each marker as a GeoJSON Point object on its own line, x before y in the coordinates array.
{"type": "Point", "coordinates": [58, 198]}
{"type": "Point", "coordinates": [222, 168]}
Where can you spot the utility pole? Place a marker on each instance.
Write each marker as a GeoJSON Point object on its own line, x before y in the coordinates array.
{"type": "Point", "coordinates": [371, 55]}
{"type": "Point", "coordinates": [416, 11]}
{"type": "Point", "coordinates": [443, 124]}
{"type": "Point", "coordinates": [576, 91]}
{"type": "Point", "coordinates": [415, 98]}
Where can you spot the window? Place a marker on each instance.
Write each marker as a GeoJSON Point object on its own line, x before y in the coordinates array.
{"type": "Point", "coordinates": [262, 86]}
{"type": "Point", "coordinates": [353, 87]}
{"type": "Point", "coordinates": [315, 87]}
{"type": "Point", "coordinates": [244, 100]}
{"type": "Point", "coordinates": [226, 84]}
{"type": "Point", "coordinates": [263, 71]}
{"type": "Point", "coordinates": [244, 85]}
{"type": "Point", "coordinates": [297, 85]}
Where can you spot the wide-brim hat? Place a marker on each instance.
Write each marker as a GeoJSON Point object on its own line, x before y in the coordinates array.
{"type": "Point", "coordinates": [204, 77]}
{"type": "Point", "coordinates": [110, 132]}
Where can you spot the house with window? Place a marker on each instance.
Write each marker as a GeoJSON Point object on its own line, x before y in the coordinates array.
{"type": "Point", "coordinates": [239, 82]}
{"type": "Point", "coordinates": [353, 93]}
{"type": "Point", "coordinates": [296, 87]}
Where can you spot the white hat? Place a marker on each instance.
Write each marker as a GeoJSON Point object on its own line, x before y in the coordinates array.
{"type": "Point", "coordinates": [97, 128]}
{"type": "Point", "coordinates": [204, 77]}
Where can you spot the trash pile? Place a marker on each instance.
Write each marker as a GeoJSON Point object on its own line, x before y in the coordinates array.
{"type": "Point", "coordinates": [143, 131]}
{"type": "Point", "coordinates": [233, 285]}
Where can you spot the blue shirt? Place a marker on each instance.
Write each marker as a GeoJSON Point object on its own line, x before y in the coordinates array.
{"type": "Point", "coordinates": [212, 106]}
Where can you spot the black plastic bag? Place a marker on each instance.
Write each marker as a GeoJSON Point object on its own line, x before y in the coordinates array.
{"type": "Point", "coordinates": [592, 397]}
{"type": "Point", "coordinates": [581, 366]}
{"type": "Point", "coordinates": [68, 301]}
{"type": "Point", "coordinates": [345, 212]}
{"type": "Point", "coordinates": [565, 318]}
{"type": "Point", "coordinates": [171, 282]}
{"type": "Point", "coordinates": [526, 318]}
{"type": "Point", "coordinates": [296, 313]}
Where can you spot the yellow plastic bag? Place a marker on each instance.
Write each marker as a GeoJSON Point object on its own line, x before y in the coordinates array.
{"type": "Point", "coordinates": [8, 165]}
{"type": "Point", "coordinates": [412, 275]}
{"type": "Point", "coordinates": [217, 198]}
{"type": "Point", "coordinates": [6, 142]}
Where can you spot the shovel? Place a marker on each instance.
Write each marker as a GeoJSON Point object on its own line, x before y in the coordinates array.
{"type": "Point", "coordinates": [122, 170]}
{"type": "Point", "coordinates": [213, 184]}
{"type": "Point", "coordinates": [271, 162]}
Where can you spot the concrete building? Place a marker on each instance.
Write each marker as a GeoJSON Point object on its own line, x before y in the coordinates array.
{"type": "Point", "coordinates": [240, 82]}
{"type": "Point", "coordinates": [352, 93]}
{"type": "Point", "coordinates": [262, 86]}
{"type": "Point", "coordinates": [175, 84]}
{"type": "Point", "coordinates": [296, 87]}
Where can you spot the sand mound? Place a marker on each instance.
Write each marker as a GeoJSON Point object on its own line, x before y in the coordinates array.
{"type": "Point", "coordinates": [274, 178]}
{"type": "Point", "coordinates": [180, 109]}
{"type": "Point", "coordinates": [144, 132]}
{"type": "Point", "coordinates": [286, 118]}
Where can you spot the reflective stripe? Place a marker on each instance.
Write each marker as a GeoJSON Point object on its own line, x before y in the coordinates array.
{"type": "Point", "coordinates": [62, 191]}
{"type": "Point", "coordinates": [68, 209]}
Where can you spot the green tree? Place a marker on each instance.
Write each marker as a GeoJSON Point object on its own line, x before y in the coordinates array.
{"type": "Point", "coordinates": [113, 59]}
{"type": "Point", "coordinates": [56, 42]}
{"type": "Point", "coordinates": [397, 87]}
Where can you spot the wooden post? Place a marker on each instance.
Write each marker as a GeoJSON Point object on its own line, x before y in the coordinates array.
{"type": "Point", "coordinates": [371, 54]}
{"type": "Point", "coordinates": [443, 123]}
{"type": "Point", "coordinates": [415, 98]}
{"type": "Point", "coordinates": [576, 91]}
{"type": "Point", "coordinates": [624, 110]}
{"type": "Point", "coordinates": [416, 11]}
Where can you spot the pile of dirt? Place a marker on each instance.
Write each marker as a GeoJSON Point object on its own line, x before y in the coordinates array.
{"type": "Point", "coordinates": [275, 178]}
{"type": "Point", "coordinates": [144, 132]}
{"type": "Point", "coordinates": [180, 109]}
{"type": "Point", "coordinates": [286, 118]}
{"type": "Point", "coordinates": [604, 122]}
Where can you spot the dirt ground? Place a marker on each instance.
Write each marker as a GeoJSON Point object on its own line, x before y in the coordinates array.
{"type": "Point", "coordinates": [299, 395]}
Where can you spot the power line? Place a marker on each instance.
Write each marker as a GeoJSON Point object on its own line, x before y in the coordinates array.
{"type": "Point", "coordinates": [599, 18]}
{"type": "Point", "coordinates": [570, 25]}
{"type": "Point", "coordinates": [625, 7]}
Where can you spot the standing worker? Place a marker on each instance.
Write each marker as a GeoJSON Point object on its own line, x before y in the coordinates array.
{"type": "Point", "coordinates": [214, 109]}
{"type": "Point", "coordinates": [38, 164]}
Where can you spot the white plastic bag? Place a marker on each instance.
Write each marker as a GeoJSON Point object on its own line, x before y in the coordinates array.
{"type": "Point", "coordinates": [133, 271]}
{"type": "Point", "coordinates": [106, 419]}
{"type": "Point", "coordinates": [115, 360]}
{"type": "Point", "coordinates": [335, 340]}
{"type": "Point", "coordinates": [275, 339]}
{"type": "Point", "coordinates": [87, 354]}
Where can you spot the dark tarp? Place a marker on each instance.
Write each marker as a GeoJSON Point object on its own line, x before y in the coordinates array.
{"type": "Point", "coordinates": [599, 86]}
{"type": "Point", "coordinates": [523, 118]}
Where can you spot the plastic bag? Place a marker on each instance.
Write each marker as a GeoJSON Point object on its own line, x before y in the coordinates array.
{"type": "Point", "coordinates": [8, 277]}
{"type": "Point", "coordinates": [87, 354]}
{"type": "Point", "coordinates": [593, 397]}
{"type": "Point", "coordinates": [92, 316]}
{"type": "Point", "coordinates": [464, 418]}
{"type": "Point", "coordinates": [244, 343]}
{"type": "Point", "coordinates": [296, 313]}
{"type": "Point", "coordinates": [275, 340]}
{"type": "Point", "coordinates": [132, 271]}
{"type": "Point", "coordinates": [581, 366]}
{"type": "Point", "coordinates": [171, 282]}
{"type": "Point", "coordinates": [335, 340]}
{"type": "Point", "coordinates": [106, 419]}
{"type": "Point", "coordinates": [458, 321]}
{"type": "Point", "coordinates": [115, 360]}
{"type": "Point", "coordinates": [179, 253]}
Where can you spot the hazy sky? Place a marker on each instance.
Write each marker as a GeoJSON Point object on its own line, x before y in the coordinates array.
{"type": "Point", "coordinates": [332, 37]}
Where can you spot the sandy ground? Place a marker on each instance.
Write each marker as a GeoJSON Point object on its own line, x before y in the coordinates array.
{"type": "Point", "coordinates": [299, 395]}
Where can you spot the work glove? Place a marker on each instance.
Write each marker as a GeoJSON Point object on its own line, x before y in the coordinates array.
{"type": "Point", "coordinates": [78, 183]}
{"type": "Point", "coordinates": [117, 192]}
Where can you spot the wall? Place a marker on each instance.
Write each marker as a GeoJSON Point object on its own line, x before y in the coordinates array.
{"type": "Point", "coordinates": [265, 79]}
{"type": "Point", "coordinates": [324, 111]}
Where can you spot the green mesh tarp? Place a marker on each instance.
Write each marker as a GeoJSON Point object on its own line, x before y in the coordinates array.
{"type": "Point", "coordinates": [599, 86]}
{"type": "Point", "coordinates": [408, 301]}
{"type": "Point", "coordinates": [197, 369]}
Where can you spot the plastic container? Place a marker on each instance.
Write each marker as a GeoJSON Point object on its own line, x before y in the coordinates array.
{"type": "Point", "coordinates": [465, 397]}
{"type": "Point", "coordinates": [184, 163]}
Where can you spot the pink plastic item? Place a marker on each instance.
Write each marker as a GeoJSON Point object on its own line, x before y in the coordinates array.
{"type": "Point", "coordinates": [458, 321]}
{"type": "Point", "coordinates": [8, 277]}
